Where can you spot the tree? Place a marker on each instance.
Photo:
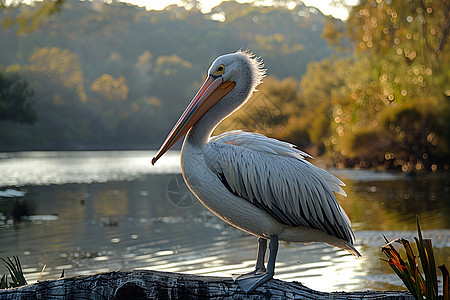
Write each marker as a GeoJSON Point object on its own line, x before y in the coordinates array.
{"type": "Point", "coordinates": [61, 64]}
{"type": "Point", "coordinates": [110, 98]}
{"type": "Point", "coordinates": [15, 98]}
{"type": "Point", "coordinates": [28, 20]}
{"type": "Point", "coordinates": [397, 85]}
{"type": "Point", "coordinates": [162, 54]}
{"type": "Point", "coordinates": [111, 89]}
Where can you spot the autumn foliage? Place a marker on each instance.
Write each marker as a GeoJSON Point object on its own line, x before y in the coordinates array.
{"type": "Point", "coordinates": [377, 95]}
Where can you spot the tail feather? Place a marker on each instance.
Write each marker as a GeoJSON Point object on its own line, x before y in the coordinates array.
{"type": "Point", "coordinates": [346, 246]}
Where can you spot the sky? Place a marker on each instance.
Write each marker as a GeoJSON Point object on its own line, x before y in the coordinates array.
{"type": "Point", "coordinates": [323, 5]}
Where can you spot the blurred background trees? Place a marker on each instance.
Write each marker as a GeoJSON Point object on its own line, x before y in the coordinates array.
{"type": "Point", "coordinates": [371, 92]}
{"type": "Point", "coordinates": [396, 112]}
{"type": "Point", "coordinates": [14, 99]}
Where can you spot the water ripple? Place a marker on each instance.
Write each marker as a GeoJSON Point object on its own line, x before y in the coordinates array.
{"type": "Point", "coordinates": [44, 168]}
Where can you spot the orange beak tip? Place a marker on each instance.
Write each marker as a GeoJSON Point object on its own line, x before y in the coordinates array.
{"type": "Point", "coordinates": [153, 161]}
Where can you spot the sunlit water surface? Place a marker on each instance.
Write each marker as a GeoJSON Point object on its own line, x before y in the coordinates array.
{"type": "Point", "coordinates": [101, 211]}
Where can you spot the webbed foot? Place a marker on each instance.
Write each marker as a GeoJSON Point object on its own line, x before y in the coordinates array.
{"type": "Point", "coordinates": [250, 281]}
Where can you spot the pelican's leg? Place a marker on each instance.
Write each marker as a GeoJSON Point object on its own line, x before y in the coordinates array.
{"type": "Point", "coordinates": [250, 281]}
{"type": "Point", "coordinates": [262, 246]}
{"type": "Point", "coordinates": [259, 267]}
{"type": "Point", "coordinates": [273, 248]}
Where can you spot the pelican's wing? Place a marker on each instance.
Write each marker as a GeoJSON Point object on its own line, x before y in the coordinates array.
{"type": "Point", "coordinates": [258, 142]}
{"type": "Point", "coordinates": [275, 177]}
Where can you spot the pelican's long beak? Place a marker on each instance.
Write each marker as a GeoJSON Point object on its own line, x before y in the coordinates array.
{"type": "Point", "coordinates": [212, 90]}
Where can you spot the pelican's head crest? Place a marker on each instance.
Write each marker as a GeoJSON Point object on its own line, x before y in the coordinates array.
{"type": "Point", "coordinates": [238, 66]}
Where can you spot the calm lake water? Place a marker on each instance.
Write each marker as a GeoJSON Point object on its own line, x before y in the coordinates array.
{"type": "Point", "coordinates": [101, 211]}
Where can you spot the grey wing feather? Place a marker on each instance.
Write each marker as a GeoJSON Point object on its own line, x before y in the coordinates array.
{"type": "Point", "coordinates": [258, 142]}
{"type": "Point", "coordinates": [275, 177]}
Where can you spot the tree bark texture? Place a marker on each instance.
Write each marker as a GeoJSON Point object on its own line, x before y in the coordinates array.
{"type": "Point", "coordinates": [145, 284]}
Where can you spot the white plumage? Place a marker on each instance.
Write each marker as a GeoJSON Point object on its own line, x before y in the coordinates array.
{"type": "Point", "coordinates": [261, 185]}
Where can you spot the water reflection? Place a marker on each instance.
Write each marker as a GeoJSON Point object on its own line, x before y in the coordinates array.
{"type": "Point", "coordinates": [43, 168]}
{"type": "Point", "coordinates": [394, 204]}
{"type": "Point", "coordinates": [132, 223]}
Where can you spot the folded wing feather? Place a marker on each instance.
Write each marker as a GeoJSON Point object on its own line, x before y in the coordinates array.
{"type": "Point", "coordinates": [276, 177]}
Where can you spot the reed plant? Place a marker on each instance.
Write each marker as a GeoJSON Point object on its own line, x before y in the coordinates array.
{"type": "Point", "coordinates": [15, 270]}
{"type": "Point", "coordinates": [422, 285]}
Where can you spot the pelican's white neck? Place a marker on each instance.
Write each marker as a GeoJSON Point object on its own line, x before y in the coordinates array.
{"type": "Point", "coordinates": [199, 135]}
{"type": "Point", "coordinates": [247, 73]}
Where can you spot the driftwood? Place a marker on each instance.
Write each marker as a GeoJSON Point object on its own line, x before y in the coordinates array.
{"type": "Point", "coordinates": [143, 284]}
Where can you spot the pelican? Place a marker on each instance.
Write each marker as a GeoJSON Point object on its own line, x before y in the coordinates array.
{"type": "Point", "coordinates": [260, 185]}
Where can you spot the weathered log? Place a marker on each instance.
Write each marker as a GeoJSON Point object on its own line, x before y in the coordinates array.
{"type": "Point", "coordinates": [144, 284]}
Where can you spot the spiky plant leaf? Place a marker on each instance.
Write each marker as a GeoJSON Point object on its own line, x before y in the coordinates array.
{"type": "Point", "coordinates": [15, 270]}
{"type": "Point", "coordinates": [421, 287]}
{"type": "Point", "coordinates": [4, 282]}
{"type": "Point", "coordinates": [426, 255]}
{"type": "Point", "coordinates": [401, 268]}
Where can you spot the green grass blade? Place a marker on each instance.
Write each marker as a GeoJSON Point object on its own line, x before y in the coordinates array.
{"type": "Point", "coordinates": [432, 272]}
{"type": "Point", "coordinates": [426, 255]}
{"type": "Point", "coordinates": [15, 270]}
{"type": "Point", "coordinates": [4, 282]}
{"type": "Point", "coordinates": [419, 281]}
{"type": "Point", "coordinates": [20, 275]}
{"type": "Point", "coordinates": [11, 270]}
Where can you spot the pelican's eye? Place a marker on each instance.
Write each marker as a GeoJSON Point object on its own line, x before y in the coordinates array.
{"type": "Point", "coordinates": [219, 70]}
